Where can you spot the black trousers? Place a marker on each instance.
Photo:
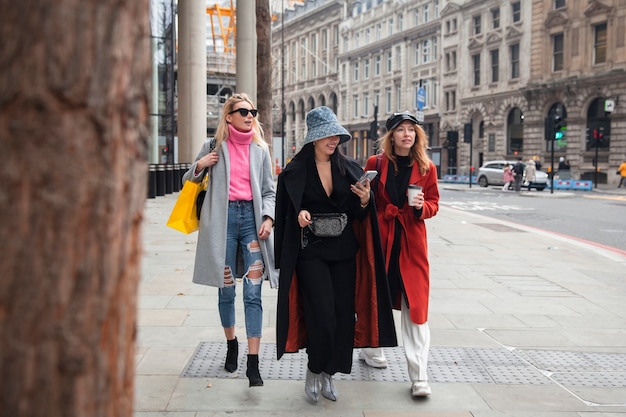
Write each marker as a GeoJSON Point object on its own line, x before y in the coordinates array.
{"type": "Point", "coordinates": [327, 291]}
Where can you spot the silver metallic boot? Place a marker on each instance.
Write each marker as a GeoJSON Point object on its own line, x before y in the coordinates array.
{"type": "Point", "coordinates": [312, 385]}
{"type": "Point", "coordinates": [328, 387]}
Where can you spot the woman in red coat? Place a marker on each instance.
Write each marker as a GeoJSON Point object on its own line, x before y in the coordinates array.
{"type": "Point", "coordinates": [403, 162]}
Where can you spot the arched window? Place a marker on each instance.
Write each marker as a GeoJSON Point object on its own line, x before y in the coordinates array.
{"type": "Point", "coordinates": [598, 126]}
{"type": "Point", "coordinates": [515, 132]}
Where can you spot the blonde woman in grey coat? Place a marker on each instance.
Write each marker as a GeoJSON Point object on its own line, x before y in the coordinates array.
{"type": "Point", "coordinates": [237, 212]}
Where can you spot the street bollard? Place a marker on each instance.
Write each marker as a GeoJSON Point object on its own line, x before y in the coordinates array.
{"type": "Point", "coordinates": [152, 181]}
{"type": "Point", "coordinates": [176, 178]}
{"type": "Point", "coordinates": [160, 189]}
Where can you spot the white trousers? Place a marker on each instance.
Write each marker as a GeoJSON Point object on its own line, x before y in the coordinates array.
{"type": "Point", "coordinates": [416, 341]}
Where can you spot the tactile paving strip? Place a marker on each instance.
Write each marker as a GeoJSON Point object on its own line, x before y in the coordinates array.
{"type": "Point", "coordinates": [446, 364]}
{"type": "Point", "coordinates": [580, 369]}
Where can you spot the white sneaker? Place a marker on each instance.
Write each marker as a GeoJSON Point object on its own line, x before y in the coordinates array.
{"type": "Point", "coordinates": [370, 357]}
{"type": "Point", "coordinates": [420, 389]}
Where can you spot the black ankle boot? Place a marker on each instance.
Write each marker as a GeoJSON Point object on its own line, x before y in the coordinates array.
{"type": "Point", "coordinates": [252, 372]}
{"type": "Point", "coordinates": [232, 355]}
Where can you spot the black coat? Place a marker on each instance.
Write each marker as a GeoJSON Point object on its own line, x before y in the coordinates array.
{"type": "Point", "coordinates": [374, 326]}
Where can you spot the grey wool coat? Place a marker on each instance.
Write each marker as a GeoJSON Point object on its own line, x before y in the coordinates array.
{"type": "Point", "coordinates": [211, 247]}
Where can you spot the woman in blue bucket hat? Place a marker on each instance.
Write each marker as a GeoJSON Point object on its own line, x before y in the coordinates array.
{"type": "Point", "coordinates": [332, 293]}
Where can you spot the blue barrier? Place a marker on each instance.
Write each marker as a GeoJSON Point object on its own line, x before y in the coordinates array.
{"type": "Point", "coordinates": [582, 185]}
{"type": "Point", "coordinates": [562, 184]}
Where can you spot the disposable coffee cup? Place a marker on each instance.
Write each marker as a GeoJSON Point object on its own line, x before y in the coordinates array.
{"type": "Point", "coordinates": [412, 192]}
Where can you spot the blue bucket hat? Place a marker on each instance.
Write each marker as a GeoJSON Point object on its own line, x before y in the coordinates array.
{"type": "Point", "coordinates": [321, 122]}
{"type": "Point", "coordinates": [397, 118]}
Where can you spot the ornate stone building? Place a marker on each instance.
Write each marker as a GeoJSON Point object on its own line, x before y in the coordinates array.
{"type": "Point", "coordinates": [490, 73]}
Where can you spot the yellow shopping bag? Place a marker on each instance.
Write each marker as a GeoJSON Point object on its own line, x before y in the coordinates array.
{"type": "Point", "coordinates": [184, 216]}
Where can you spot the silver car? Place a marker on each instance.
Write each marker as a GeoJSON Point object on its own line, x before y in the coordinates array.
{"type": "Point", "coordinates": [491, 173]}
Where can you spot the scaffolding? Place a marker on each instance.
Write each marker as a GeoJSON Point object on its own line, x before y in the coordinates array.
{"type": "Point", "coordinates": [224, 19]}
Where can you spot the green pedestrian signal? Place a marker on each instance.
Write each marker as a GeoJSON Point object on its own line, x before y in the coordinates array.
{"type": "Point", "coordinates": [559, 127]}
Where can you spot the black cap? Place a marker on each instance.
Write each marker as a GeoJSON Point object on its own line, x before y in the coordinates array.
{"type": "Point", "coordinates": [397, 118]}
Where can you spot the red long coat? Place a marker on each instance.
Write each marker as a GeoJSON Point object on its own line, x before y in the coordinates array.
{"type": "Point", "coordinates": [413, 260]}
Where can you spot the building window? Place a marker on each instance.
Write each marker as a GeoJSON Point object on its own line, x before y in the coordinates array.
{"type": "Point", "coordinates": [515, 61]}
{"type": "Point", "coordinates": [495, 18]}
{"type": "Point", "coordinates": [356, 71]}
{"type": "Point", "coordinates": [426, 13]}
{"type": "Point", "coordinates": [559, 4]}
{"type": "Point", "coordinates": [516, 8]}
{"type": "Point", "coordinates": [400, 22]}
{"type": "Point", "coordinates": [366, 69]}
{"type": "Point", "coordinates": [476, 21]}
{"type": "Point", "coordinates": [557, 52]}
{"type": "Point", "coordinates": [515, 132]}
{"type": "Point", "coordinates": [367, 36]}
{"type": "Point", "coordinates": [416, 54]}
{"type": "Point", "coordinates": [377, 65]}
{"type": "Point", "coordinates": [599, 44]}
{"type": "Point", "coordinates": [426, 51]}
{"type": "Point", "coordinates": [450, 100]}
{"type": "Point", "coordinates": [476, 68]}
{"type": "Point", "coordinates": [389, 62]}
{"type": "Point", "coordinates": [379, 29]}
{"type": "Point", "coordinates": [416, 17]}
{"type": "Point", "coordinates": [355, 106]}
{"type": "Point", "coordinates": [495, 65]}
{"type": "Point", "coordinates": [390, 27]}
{"type": "Point", "coordinates": [357, 40]}
{"type": "Point", "coordinates": [436, 4]}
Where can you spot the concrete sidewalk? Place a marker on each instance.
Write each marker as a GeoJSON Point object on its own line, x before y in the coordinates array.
{"type": "Point", "coordinates": [524, 323]}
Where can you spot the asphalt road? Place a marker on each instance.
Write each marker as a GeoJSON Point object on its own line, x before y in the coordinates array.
{"type": "Point", "coordinates": [589, 216]}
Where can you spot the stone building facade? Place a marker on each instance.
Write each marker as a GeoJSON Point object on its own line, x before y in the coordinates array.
{"type": "Point", "coordinates": [490, 74]}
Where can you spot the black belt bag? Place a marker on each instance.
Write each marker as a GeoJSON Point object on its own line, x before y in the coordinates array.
{"type": "Point", "coordinates": [328, 224]}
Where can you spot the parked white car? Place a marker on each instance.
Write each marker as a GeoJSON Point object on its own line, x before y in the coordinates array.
{"type": "Point", "coordinates": [491, 173]}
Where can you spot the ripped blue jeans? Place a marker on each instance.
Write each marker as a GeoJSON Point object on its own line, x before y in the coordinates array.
{"type": "Point", "coordinates": [242, 231]}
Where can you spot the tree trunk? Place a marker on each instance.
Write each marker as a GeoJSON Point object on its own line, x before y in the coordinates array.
{"type": "Point", "coordinates": [74, 78]}
{"type": "Point", "coordinates": [264, 67]}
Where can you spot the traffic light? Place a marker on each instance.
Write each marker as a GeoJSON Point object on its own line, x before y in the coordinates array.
{"type": "Point", "coordinates": [559, 127]}
{"type": "Point", "coordinates": [373, 130]}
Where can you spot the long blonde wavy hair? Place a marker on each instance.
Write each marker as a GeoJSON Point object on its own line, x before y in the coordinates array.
{"type": "Point", "coordinates": [417, 152]}
{"type": "Point", "coordinates": [221, 134]}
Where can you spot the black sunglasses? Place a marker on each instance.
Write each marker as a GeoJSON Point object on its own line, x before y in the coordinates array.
{"type": "Point", "coordinates": [244, 112]}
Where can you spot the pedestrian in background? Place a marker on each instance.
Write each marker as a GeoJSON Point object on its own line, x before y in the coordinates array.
{"type": "Point", "coordinates": [404, 162]}
{"type": "Point", "coordinates": [518, 172]}
{"type": "Point", "coordinates": [507, 177]}
{"type": "Point", "coordinates": [237, 212]}
{"type": "Point", "coordinates": [329, 282]}
{"type": "Point", "coordinates": [530, 173]}
{"type": "Point", "coordinates": [622, 172]}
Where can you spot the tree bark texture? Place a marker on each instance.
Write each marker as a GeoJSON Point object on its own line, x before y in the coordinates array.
{"type": "Point", "coordinates": [74, 79]}
{"type": "Point", "coordinates": [264, 67]}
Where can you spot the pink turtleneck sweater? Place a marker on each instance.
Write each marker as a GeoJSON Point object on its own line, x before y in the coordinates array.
{"type": "Point", "coordinates": [239, 150]}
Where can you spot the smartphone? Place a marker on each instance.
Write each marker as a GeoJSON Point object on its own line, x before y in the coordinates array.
{"type": "Point", "coordinates": [368, 175]}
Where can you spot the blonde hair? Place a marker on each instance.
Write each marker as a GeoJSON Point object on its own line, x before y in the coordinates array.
{"type": "Point", "coordinates": [417, 152]}
{"type": "Point", "coordinates": [221, 134]}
